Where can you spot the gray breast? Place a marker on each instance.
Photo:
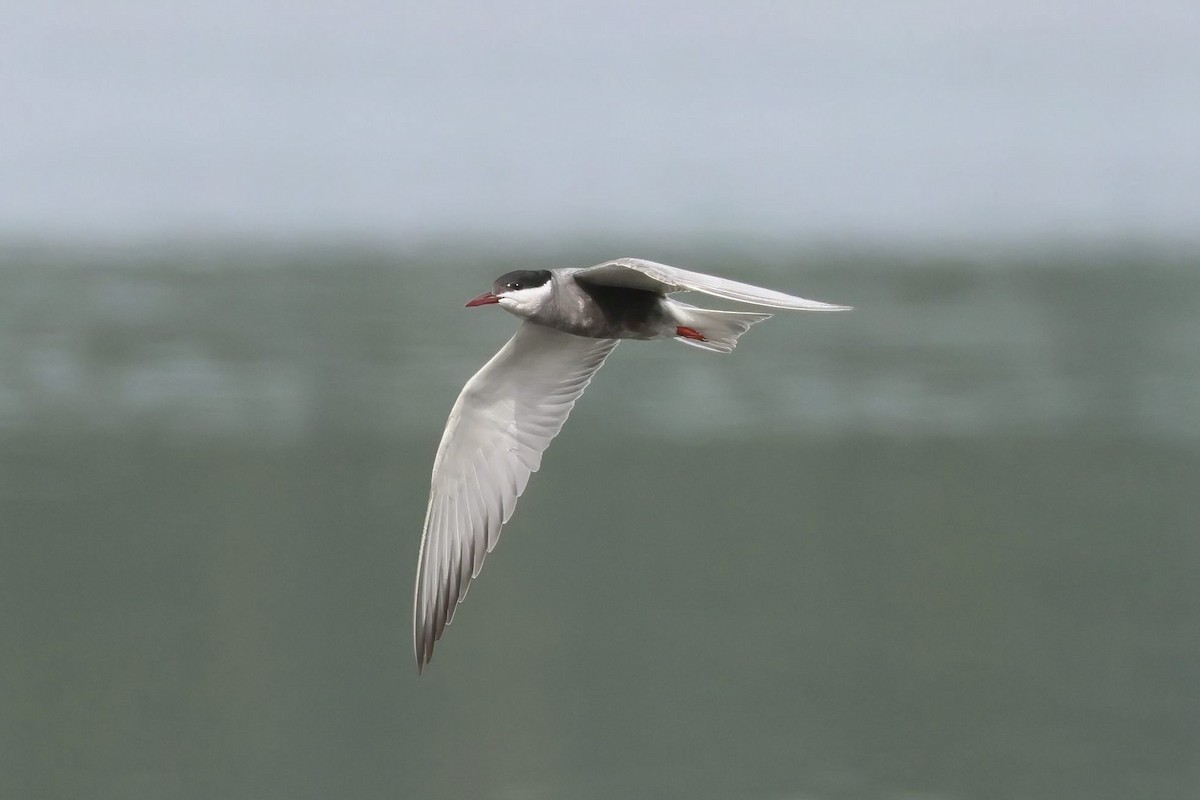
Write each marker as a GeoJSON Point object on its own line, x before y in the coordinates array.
{"type": "Point", "coordinates": [609, 312]}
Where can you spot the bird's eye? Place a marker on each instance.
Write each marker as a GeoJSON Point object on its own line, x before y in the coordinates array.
{"type": "Point", "coordinates": [512, 285]}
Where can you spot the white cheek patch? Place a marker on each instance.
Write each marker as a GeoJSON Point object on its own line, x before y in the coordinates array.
{"type": "Point", "coordinates": [527, 300]}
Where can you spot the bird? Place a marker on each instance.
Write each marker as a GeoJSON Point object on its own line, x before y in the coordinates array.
{"type": "Point", "coordinates": [511, 409]}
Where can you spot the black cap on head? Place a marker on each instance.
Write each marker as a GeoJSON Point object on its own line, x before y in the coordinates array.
{"type": "Point", "coordinates": [521, 279]}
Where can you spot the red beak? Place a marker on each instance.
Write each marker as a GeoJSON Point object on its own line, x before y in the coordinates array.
{"type": "Point", "coordinates": [484, 299]}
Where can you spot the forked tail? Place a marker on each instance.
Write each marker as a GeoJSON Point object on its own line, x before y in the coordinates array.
{"type": "Point", "coordinates": [709, 329]}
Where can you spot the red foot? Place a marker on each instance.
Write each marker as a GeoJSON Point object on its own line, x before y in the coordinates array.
{"type": "Point", "coordinates": [690, 333]}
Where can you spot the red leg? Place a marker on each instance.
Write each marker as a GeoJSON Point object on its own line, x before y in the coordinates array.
{"type": "Point", "coordinates": [690, 333]}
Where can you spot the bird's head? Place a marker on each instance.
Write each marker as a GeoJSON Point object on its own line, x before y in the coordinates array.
{"type": "Point", "coordinates": [524, 292]}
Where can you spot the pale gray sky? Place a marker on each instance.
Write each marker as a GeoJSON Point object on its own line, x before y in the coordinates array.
{"type": "Point", "coordinates": [915, 119]}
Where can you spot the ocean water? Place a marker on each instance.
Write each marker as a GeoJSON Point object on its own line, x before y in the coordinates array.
{"type": "Point", "coordinates": [943, 546]}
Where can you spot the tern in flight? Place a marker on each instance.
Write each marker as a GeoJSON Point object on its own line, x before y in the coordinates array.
{"type": "Point", "coordinates": [511, 409]}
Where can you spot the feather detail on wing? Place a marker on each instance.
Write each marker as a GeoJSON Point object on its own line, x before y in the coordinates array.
{"type": "Point", "coordinates": [637, 273]}
{"type": "Point", "coordinates": [502, 422]}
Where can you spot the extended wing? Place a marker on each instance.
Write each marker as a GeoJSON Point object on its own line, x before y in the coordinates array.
{"type": "Point", "coordinates": [502, 422]}
{"type": "Point", "coordinates": [637, 273]}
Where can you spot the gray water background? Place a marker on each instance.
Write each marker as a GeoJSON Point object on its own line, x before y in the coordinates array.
{"type": "Point", "coordinates": [944, 546]}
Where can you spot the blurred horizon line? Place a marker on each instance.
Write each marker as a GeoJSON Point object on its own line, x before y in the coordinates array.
{"type": "Point", "coordinates": [18, 245]}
